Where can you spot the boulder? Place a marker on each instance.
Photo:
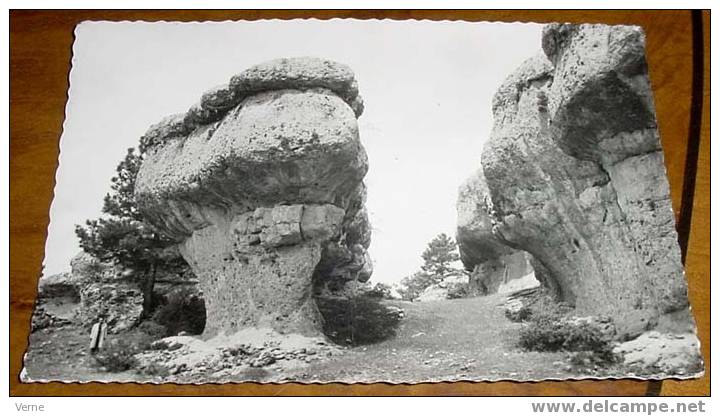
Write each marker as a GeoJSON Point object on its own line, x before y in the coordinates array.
{"type": "Point", "coordinates": [432, 293]}
{"type": "Point", "coordinates": [119, 304]}
{"type": "Point", "coordinates": [44, 320]}
{"type": "Point", "coordinates": [61, 285]}
{"type": "Point", "coordinates": [226, 358]}
{"type": "Point", "coordinates": [261, 186]}
{"type": "Point", "coordinates": [57, 302]}
{"type": "Point", "coordinates": [660, 354]}
{"type": "Point", "coordinates": [302, 74]}
{"type": "Point", "coordinates": [575, 174]}
{"type": "Point", "coordinates": [91, 291]}
{"type": "Point", "coordinates": [105, 292]}
{"type": "Point", "coordinates": [86, 267]}
{"type": "Point", "coordinates": [490, 261]}
{"type": "Point", "coordinates": [95, 290]}
{"type": "Point", "coordinates": [447, 289]}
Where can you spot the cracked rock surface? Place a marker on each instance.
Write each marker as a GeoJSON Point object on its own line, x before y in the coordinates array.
{"type": "Point", "coordinates": [260, 183]}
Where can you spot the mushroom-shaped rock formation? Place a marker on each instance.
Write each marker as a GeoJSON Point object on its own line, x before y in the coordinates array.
{"type": "Point", "coordinates": [260, 183]}
{"type": "Point", "coordinates": [491, 262]}
{"type": "Point", "coordinates": [575, 174]}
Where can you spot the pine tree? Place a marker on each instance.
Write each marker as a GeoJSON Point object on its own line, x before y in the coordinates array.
{"type": "Point", "coordinates": [123, 238]}
{"type": "Point", "coordinates": [439, 257]}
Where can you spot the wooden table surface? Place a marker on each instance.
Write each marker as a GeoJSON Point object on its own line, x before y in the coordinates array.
{"type": "Point", "coordinates": [40, 52]}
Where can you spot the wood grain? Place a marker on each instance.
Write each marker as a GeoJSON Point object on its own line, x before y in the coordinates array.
{"type": "Point", "coordinates": [40, 52]}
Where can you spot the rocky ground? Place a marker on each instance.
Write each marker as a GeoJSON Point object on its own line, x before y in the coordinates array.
{"type": "Point", "coordinates": [463, 339]}
{"type": "Point", "coordinates": [63, 354]}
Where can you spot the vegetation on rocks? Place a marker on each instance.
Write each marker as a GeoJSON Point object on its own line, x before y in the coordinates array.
{"type": "Point", "coordinates": [549, 327]}
{"type": "Point", "coordinates": [118, 353]}
{"type": "Point", "coordinates": [459, 290]}
{"type": "Point", "coordinates": [535, 302]}
{"type": "Point", "coordinates": [122, 237]}
{"type": "Point", "coordinates": [381, 291]}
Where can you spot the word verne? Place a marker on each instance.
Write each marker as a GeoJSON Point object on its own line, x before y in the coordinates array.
{"type": "Point", "coordinates": [24, 407]}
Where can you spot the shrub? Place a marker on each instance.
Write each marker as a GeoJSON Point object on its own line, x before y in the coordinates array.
{"type": "Point", "coordinates": [412, 286]}
{"type": "Point", "coordinates": [591, 337]}
{"type": "Point", "coordinates": [156, 369]}
{"type": "Point", "coordinates": [591, 342]}
{"type": "Point", "coordinates": [543, 333]}
{"type": "Point", "coordinates": [518, 314]}
{"type": "Point", "coordinates": [118, 356]}
{"type": "Point", "coordinates": [359, 320]}
{"type": "Point", "coordinates": [583, 360]}
{"type": "Point", "coordinates": [184, 311]}
{"type": "Point", "coordinates": [153, 329]}
{"type": "Point", "coordinates": [535, 302]}
{"type": "Point", "coordinates": [380, 291]}
{"type": "Point", "coordinates": [459, 290]}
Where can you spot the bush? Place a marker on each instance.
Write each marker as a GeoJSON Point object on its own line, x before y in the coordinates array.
{"type": "Point", "coordinates": [543, 333]}
{"type": "Point", "coordinates": [184, 311]}
{"type": "Point", "coordinates": [592, 342]}
{"type": "Point", "coordinates": [459, 290]}
{"type": "Point", "coordinates": [380, 291]}
{"type": "Point", "coordinates": [591, 337]}
{"type": "Point", "coordinates": [359, 320]}
{"type": "Point", "coordinates": [414, 285]}
{"type": "Point", "coordinates": [518, 314]}
{"type": "Point", "coordinates": [118, 356]}
{"type": "Point", "coordinates": [153, 329]}
{"type": "Point", "coordinates": [535, 302]}
{"type": "Point", "coordinates": [156, 369]}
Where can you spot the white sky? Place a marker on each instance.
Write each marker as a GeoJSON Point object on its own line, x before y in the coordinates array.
{"type": "Point", "coordinates": [427, 88]}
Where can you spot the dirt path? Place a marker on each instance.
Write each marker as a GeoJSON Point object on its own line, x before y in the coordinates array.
{"type": "Point", "coordinates": [463, 339]}
{"type": "Point", "coordinates": [445, 340]}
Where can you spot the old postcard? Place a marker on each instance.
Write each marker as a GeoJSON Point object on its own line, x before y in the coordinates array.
{"type": "Point", "coordinates": [360, 201]}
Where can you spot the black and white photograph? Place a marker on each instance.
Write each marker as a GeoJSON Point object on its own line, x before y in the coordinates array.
{"type": "Point", "coordinates": [360, 201]}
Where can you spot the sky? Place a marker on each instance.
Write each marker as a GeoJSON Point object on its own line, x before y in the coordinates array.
{"type": "Point", "coordinates": [427, 88]}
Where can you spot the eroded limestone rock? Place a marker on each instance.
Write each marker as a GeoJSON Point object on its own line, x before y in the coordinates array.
{"type": "Point", "coordinates": [490, 261]}
{"type": "Point", "coordinates": [91, 291]}
{"type": "Point", "coordinates": [575, 174]}
{"type": "Point", "coordinates": [261, 185]}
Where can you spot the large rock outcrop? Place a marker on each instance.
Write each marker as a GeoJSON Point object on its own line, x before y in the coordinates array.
{"type": "Point", "coordinates": [260, 183]}
{"type": "Point", "coordinates": [575, 174]}
{"type": "Point", "coordinates": [491, 262]}
{"type": "Point", "coordinates": [90, 291]}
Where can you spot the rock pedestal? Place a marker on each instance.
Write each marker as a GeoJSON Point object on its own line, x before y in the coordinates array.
{"type": "Point", "coordinates": [261, 185]}
{"type": "Point", "coordinates": [575, 174]}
